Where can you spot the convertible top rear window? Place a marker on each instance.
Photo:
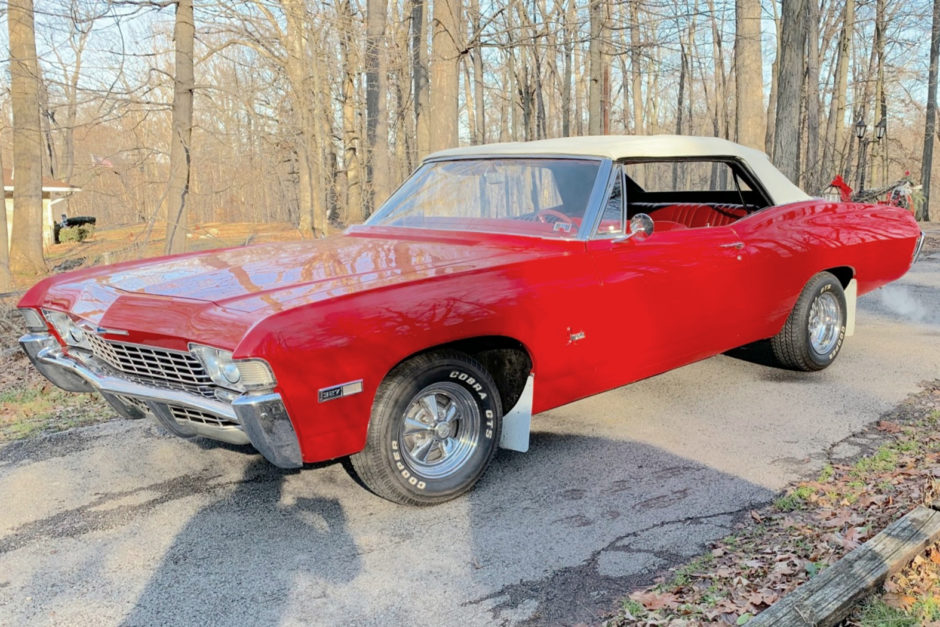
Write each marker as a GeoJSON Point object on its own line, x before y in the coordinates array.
{"type": "Point", "coordinates": [542, 197]}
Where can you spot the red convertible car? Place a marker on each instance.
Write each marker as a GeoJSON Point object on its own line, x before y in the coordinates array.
{"type": "Point", "coordinates": [497, 282]}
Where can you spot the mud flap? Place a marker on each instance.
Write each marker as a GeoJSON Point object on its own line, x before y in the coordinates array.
{"type": "Point", "coordinates": [851, 297]}
{"type": "Point", "coordinates": [516, 422]}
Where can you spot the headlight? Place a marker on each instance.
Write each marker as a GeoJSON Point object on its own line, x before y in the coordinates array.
{"type": "Point", "coordinates": [68, 329]}
{"type": "Point", "coordinates": [33, 320]}
{"type": "Point", "coordinates": [243, 375]}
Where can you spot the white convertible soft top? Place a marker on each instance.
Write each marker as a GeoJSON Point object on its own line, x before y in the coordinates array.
{"type": "Point", "coordinates": [619, 147]}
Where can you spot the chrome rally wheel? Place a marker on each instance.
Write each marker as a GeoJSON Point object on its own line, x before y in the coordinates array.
{"type": "Point", "coordinates": [434, 429]}
{"type": "Point", "coordinates": [825, 320]}
{"type": "Point", "coordinates": [813, 334]}
{"type": "Point", "coordinates": [440, 430]}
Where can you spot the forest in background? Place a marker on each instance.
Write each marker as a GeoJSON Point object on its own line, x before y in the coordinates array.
{"type": "Point", "coordinates": [312, 112]}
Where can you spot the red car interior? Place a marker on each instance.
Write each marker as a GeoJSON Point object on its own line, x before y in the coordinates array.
{"type": "Point", "coordinates": [695, 215]}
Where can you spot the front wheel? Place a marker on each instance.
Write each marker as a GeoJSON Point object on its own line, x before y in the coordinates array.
{"type": "Point", "coordinates": [814, 331]}
{"type": "Point", "coordinates": [434, 428]}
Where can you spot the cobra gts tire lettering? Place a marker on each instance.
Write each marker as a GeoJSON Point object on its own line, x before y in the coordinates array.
{"type": "Point", "coordinates": [472, 383]}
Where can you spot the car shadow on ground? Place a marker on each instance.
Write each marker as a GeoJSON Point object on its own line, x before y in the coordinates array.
{"type": "Point", "coordinates": [555, 535]}
{"type": "Point", "coordinates": [759, 353]}
{"type": "Point", "coordinates": [223, 559]}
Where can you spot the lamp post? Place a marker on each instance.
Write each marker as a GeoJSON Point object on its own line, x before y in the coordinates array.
{"type": "Point", "coordinates": [860, 127]}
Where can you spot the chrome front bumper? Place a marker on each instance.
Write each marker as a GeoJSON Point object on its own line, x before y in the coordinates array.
{"type": "Point", "coordinates": [258, 419]}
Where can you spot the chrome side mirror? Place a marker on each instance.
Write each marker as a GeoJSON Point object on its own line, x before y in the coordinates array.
{"type": "Point", "coordinates": [640, 224]}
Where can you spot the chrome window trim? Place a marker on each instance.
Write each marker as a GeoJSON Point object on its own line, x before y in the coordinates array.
{"type": "Point", "coordinates": [616, 170]}
{"type": "Point", "coordinates": [595, 205]}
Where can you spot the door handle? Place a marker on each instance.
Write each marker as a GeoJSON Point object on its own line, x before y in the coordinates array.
{"type": "Point", "coordinates": [738, 245]}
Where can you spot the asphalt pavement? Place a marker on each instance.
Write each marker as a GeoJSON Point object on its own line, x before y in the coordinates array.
{"type": "Point", "coordinates": [119, 523]}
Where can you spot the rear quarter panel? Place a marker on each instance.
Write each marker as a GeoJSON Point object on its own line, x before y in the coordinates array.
{"type": "Point", "coordinates": [786, 245]}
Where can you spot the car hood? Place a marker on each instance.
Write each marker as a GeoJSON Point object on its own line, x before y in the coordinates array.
{"type": "Point", "coordinates": [279, 276]}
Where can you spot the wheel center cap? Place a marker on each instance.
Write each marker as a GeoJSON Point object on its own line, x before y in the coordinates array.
{"type": "Point", "coordinates": [442, 430]}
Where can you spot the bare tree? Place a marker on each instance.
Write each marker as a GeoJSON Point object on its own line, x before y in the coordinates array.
{"type": "Point", "coordinates": [835, 126]}
{"type": "Point", "coordinates": [419, 72]}
{"type": "Point", "coordinates": [6, 278]}
{"type": "Point", "coordinates": [26, 255]}
{"type": "Point", "coordinates": [789, 89]}
{"type": "Point", "coordinates": [445, 56]}
{"type": "Point", "coordinates": [769, 136]}
{"type": "Point", "coordinates": [351, 157]}
{"type": "Point", "coordinates": [184, 82]}
{"type": "Point", "coordinates": [811, 172]}
{"type": "Point", "coordinates": [749, 108]}
{"type": "Point", "coordinates": [931, 125]}
{"type": "Point", "coordinates": [376, 105]}
{"type": "Point", "coordinates": [597, 64]}
{"type": "Point", "coordinates": [636, 71]}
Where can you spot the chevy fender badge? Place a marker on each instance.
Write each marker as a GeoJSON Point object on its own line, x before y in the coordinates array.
{"type": "Point", "coordinates": [339, 391]}
{"type": "Point", "coordinates": [104, 331]}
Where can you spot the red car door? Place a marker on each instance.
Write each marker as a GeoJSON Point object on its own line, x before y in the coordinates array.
{"type": "Point", "coordinates": [666, 300]}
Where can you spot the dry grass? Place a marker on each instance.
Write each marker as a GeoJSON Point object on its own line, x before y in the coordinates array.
{"type": "Point", "coordinates": [127, 243]}
{"type": "Point", "coordinates": [28, 403]}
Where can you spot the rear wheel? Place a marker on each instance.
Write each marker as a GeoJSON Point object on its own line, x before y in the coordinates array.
{"type": "Point", "coordinates": [813, 334]}
{"type": "Point", "coordinates": [434, 428]}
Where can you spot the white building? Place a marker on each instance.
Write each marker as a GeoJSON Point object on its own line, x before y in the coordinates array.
{"type": "Point", "coordinates": [53, 192]}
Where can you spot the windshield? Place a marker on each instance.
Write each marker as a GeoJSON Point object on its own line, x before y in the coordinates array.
{"type": "Point", "coordinates": [538, 197]}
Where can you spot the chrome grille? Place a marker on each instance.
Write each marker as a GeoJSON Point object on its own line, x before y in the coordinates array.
{"type": "Point", "coordinates": [194, 415]}
{"type": "Point", "coordinates": [133, 402]}
{"type": "Point", "coordinates": [206, 391]}
{"type": "Point", "coordinates": [150, 362]}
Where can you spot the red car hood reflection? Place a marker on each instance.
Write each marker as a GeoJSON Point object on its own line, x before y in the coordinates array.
{"type": "Point", "coordinates": [279, 276]}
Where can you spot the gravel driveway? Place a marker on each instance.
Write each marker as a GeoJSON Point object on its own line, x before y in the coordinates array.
{"type": "Point", "coordinates": [118, 523]}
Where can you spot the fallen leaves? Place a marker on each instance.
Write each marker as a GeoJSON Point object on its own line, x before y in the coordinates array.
{"type": "Point", "coordinates": [783, 545]}
{"type": "Point", "coordinates": [653, 600]}
{"type": "Point", "coordinates": [888, 427]}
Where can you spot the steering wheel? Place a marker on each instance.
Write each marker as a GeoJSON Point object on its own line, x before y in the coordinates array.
{"type": "Point", "coordinates": [543, 214]}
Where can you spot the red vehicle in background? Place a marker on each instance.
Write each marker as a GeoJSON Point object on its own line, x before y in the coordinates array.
{"type": "Point", "coordinates": [498, 282]}
{"type": "Point", "coordinates": [897, 194]}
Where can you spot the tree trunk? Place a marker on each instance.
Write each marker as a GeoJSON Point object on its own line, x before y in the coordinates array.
{"type": "Point", "coordinates": [568, 45]}
{"type": "Point", "coordinates": [812, 171]}
{"type": "Point", "coordinates": [479, 105]}
{"type": "Point", "coordinates": [835, 126]}
{"type": "Point", "coordinates": [26, 248]}
{"type": "Point", "coordinates": [931, 126]}
{"type": "Point", "coordinates": [376, 107]}
{"type": "Point", "coordinates": [184, 82]}
{"type": "Point", "coordinates": [445, 58]}
{"type": "Point", "coordinates": [595, 67]}
{"type": "Point", "coordinates": [419, 72]}
{"type": "Point", "coordinates": [6, 278]}
{"type": "Point", "coordinates": [772, 101]}
{"type": "Point", "coordinates": [679, 103]}
{"type": "Point", "coordinates": [354, 213]}
{"type": "Point", "coordinates": [722, 122]}
{"type": "Point", "coordinates": [748, 82]}
{"type": "Point", "coordinates": [882, 98]}
{"type": "Point", "coordinates": [789, 89]}
{"type": "Point", "coordinates": [636, 86]}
